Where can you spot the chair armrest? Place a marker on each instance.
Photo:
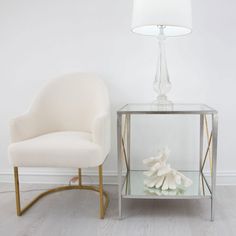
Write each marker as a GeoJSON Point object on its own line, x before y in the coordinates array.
{"type": "Point", "coordinates": [101, 132]}
{"type": "Point", "coordinates": [23, 127]}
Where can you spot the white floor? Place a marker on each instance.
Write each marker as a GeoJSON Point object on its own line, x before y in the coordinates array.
{"type": "Point", "coordinates": [76, 213]}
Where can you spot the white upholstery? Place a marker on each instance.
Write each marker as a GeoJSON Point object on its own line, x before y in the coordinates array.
{"type": "Point", "coordinates": [68, 125]}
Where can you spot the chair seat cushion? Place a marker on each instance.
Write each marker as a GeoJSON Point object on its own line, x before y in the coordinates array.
{"type": "Point", "coordinates": [58, 149]}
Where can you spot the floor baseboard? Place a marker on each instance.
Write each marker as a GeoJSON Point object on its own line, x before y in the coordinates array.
{"type": "Point", "coordinates": [89, 177]}
{"type": "Point", "coordinates": [57, 177]}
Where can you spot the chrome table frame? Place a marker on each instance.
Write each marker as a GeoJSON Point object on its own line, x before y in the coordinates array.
{"type": "Point", "coordinates": [123, 145]}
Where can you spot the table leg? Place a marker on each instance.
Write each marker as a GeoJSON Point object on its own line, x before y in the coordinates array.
{"type": "Point", "coordinates": [201, 186]}
{"type": "Point", "coordinates": [119, 163]}
{"type": "Point", "coordinates": [128, 140]}
{"type": "Point", "coordinates": [214, 160]}
{"type": "Point", "coordinates": [201, 141]}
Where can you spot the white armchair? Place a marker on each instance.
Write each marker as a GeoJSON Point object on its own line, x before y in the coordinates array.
{"type": "Point", "coordinates": [68, 125]}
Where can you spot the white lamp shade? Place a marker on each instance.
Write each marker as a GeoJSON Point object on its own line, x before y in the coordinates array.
{"type": "Point", "coordinates": [175, 15]}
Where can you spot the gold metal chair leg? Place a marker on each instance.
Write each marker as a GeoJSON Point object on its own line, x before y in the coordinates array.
{"type": "Point", "coordinates": [101, 193]}
{"type": "Point", "coordinates": [17, 191]}
{"type": "Point", "coordinates": [80, 177]}
{"type": "Point", "coordinates": [103, 206]}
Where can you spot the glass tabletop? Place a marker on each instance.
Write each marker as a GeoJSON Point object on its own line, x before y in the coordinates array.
{"type": "Point", "coordinates": [134, 187]}
{"type": "Point", "coordinates": [153, 108]}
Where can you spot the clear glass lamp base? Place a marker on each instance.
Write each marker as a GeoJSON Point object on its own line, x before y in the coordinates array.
{"type": "Point", "coordinates": [162, 103]}
{"type": "Point", "coordinates": [162, 100]}
{"type": "Point", "coordinates": [161, 84]}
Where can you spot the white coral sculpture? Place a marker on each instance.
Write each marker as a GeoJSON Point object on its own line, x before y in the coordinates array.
{"type": "Point", "coordinates": [161, 176]}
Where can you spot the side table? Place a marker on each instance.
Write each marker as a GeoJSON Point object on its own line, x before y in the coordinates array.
{"type": "Point", "coordinates": [131, 186]}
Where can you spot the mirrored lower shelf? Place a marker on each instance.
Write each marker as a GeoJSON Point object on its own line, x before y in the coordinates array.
{"type": "Point", "coordinates": [134, 187]}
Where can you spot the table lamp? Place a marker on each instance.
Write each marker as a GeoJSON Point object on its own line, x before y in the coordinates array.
{"type": "Point", "coordinates": [162, 19]}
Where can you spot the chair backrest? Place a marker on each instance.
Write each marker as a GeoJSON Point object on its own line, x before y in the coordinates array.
{"type": "Point", "coordinates": [70, 103]}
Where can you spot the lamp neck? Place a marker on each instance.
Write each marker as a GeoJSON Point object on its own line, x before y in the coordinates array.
{"type": "Point", "coordinates": [161, 36]}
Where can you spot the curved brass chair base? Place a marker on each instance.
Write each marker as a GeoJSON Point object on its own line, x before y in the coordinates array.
{"type": "Point", "coordinates": [103, 194]}
{"type": "Point", "coordinates": [64, 188]}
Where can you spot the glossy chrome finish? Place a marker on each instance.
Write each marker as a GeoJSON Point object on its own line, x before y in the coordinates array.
{"type": "Point", "coordinates": [119, 163]}
{"type": "Point", "coordinates": [214, 160]}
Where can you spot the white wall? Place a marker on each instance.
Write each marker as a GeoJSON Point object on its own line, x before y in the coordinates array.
{"type": "Point", "coordinates": [46, 38]}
